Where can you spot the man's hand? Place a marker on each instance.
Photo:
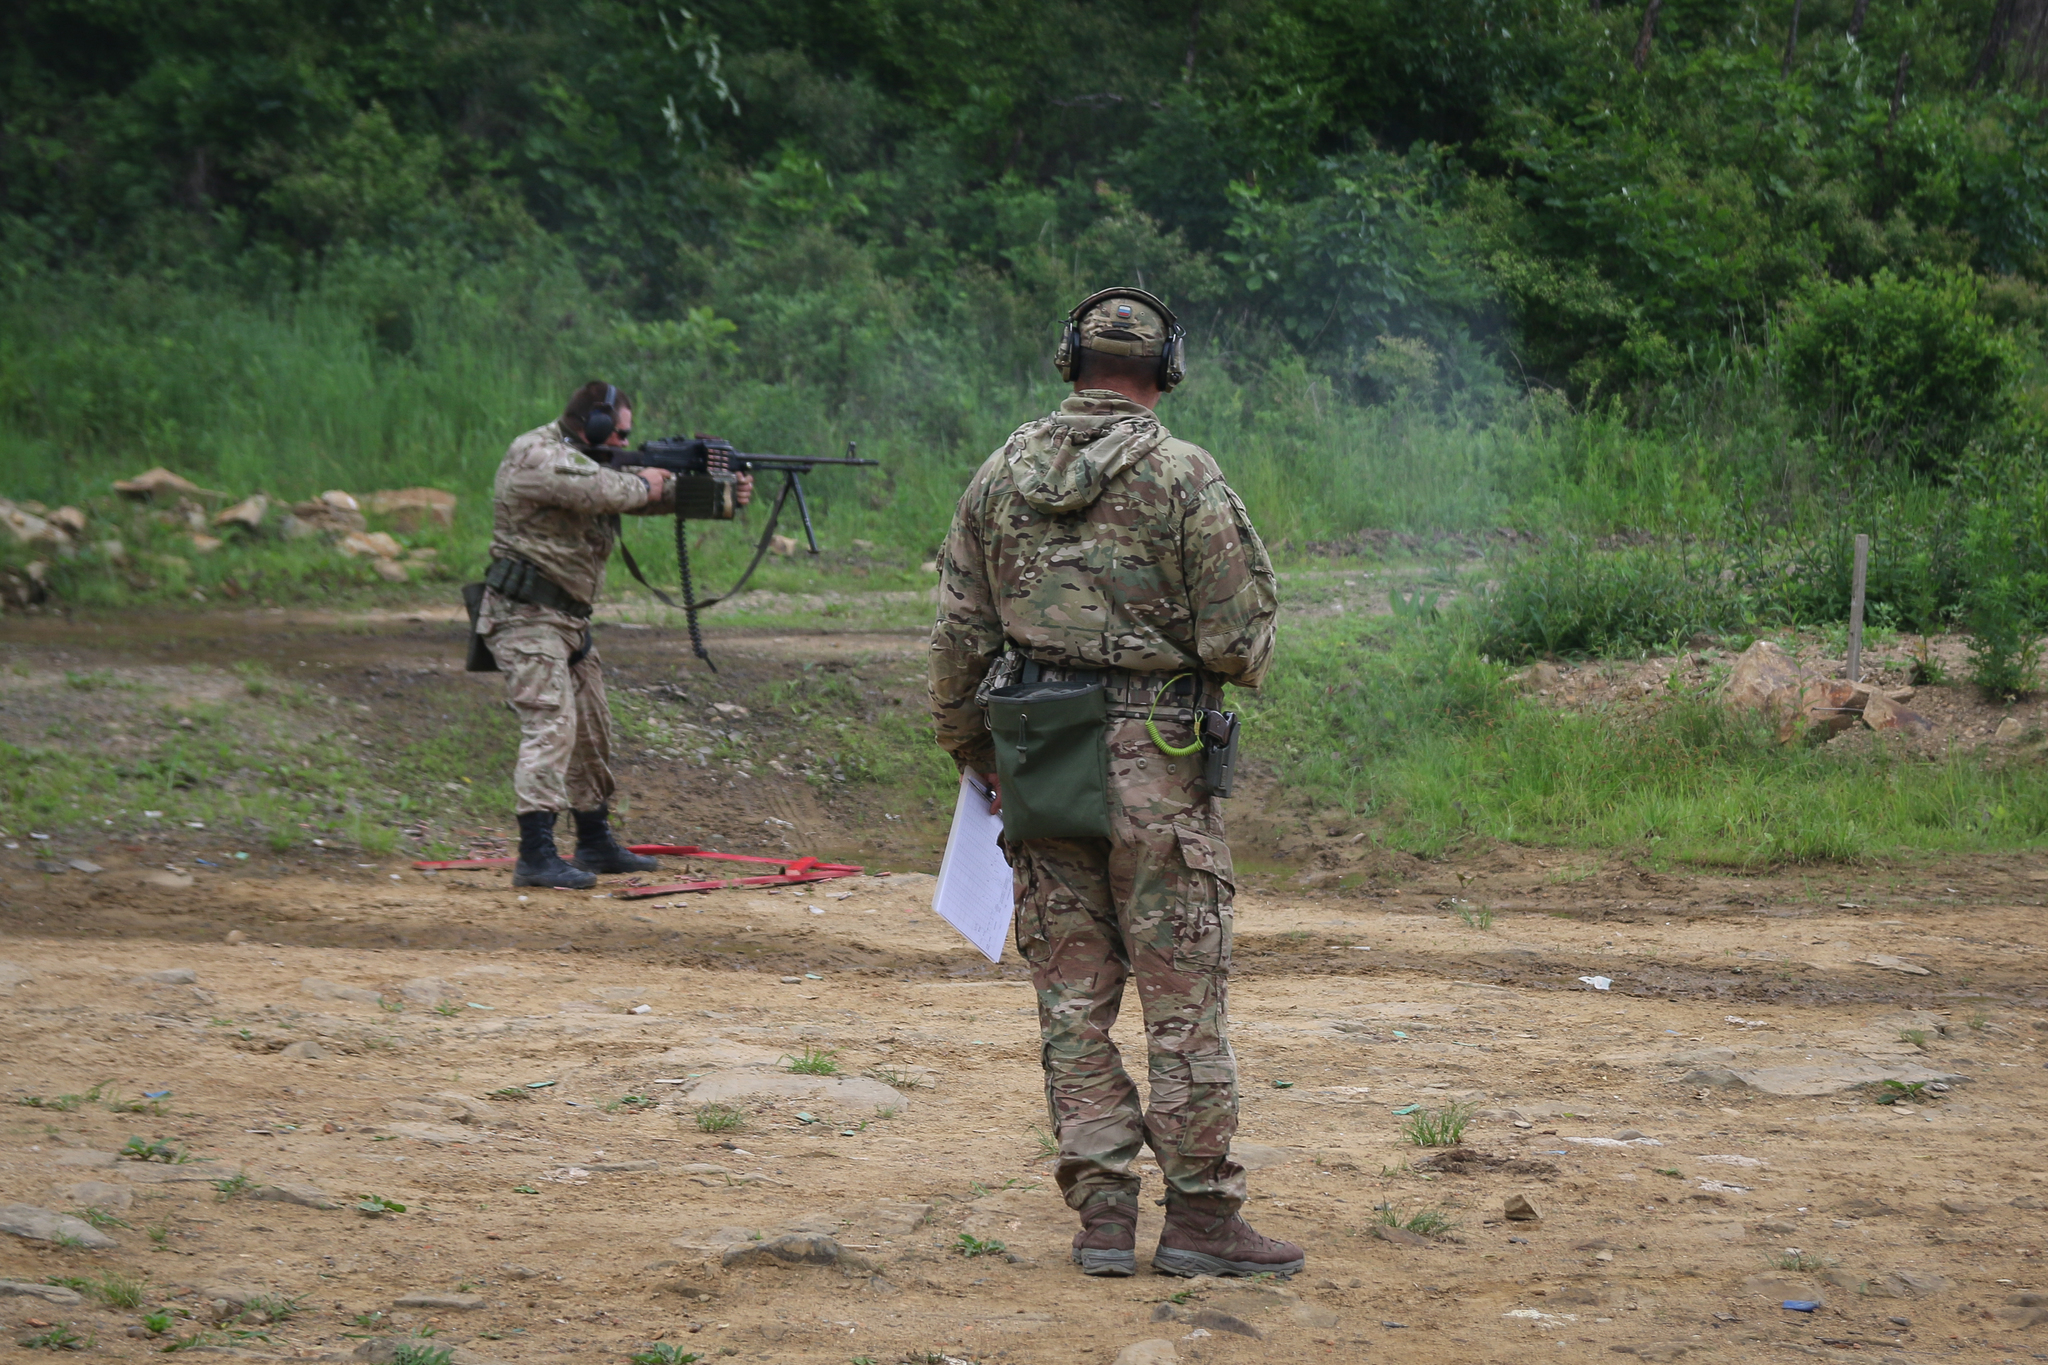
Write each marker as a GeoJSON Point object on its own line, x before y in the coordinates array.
{"type": "Point", "coordinates": [658, 481]}
{"type": "Point", "coordinates": [743, 490]}
{"type": "Point", "coordinates": [995, 793]}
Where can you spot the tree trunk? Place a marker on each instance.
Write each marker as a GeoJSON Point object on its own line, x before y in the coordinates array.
{"type": "Point", "coordinates": [1994, 42]}
{"type": "Point", "coordinates": [1187, 67]}
{"type": "Point", "coordinates": [1791, 40]}
{"type": "Point", "coordinates": [2029, 37]}
{"type": "Point", "coordinates": [1649, 33]}
{"type": "Point", "coordinates": [1856, 19]}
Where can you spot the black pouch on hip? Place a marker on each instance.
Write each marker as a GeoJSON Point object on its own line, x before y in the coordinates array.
{"type": "Point", "coordinates": [1220, 730]}
{"type": "Point", "coordinates": [1052, 756]}
{"type": "Point", "coordinates": [479, 659]}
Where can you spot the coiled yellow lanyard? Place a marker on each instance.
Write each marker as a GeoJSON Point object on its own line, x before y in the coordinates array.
{"type": "Point", "coordinates": [1152, 729]}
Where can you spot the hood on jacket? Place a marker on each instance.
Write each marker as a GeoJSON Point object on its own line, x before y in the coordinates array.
{"type": "Point", "coordinates": [1061, 463]}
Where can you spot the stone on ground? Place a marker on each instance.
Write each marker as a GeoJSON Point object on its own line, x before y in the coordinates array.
{"type": "Point", "coordinates": [55, 1294]}
{"type": "Point", "coordinates": [796, 1248]}
{"type": "Point", "coordinates": [294, 1192]}
{"type": "Point", "coordinates": [42, 1225]}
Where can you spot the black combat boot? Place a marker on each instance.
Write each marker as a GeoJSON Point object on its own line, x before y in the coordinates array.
{"type": "Point", "coordinates": [539, 864]}
{"type": "Point", "coordinates": [598, 851]}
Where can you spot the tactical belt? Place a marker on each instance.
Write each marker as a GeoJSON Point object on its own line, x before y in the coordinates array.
{"type": "Point", "coordinates": [1132, 695]}
{"type": "Point", "coordinates": [518, 581]}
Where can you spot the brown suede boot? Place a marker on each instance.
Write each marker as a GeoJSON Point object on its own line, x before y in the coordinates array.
{"type": "Point", "coordinates": [1107, 1243]}
{"type": "Point", "coordinates": [1205, 1236]}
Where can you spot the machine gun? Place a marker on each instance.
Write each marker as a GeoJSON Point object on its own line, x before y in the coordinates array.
{"type": "Point", "coordinates": [706, 472]}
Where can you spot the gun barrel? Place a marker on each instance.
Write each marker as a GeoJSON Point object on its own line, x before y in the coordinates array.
{"type": "Point", "coordinates": [800, 463]}
{"type": "Point", "coordinates": [687, 459]}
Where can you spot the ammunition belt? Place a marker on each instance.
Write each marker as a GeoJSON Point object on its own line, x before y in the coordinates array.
{"type": "Point", "coordinates": [519, 581]}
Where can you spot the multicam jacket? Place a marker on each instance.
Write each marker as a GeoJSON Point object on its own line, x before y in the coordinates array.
{"type": "Point", "coordinates": [554, 507]}
{"type": "Point", "coordinates": [1096, 539]}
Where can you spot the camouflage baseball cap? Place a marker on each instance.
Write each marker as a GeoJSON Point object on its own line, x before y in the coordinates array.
{"type": "Point", "coordinates": [1123, 326]}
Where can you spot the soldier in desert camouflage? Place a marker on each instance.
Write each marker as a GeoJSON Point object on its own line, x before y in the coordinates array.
{"type": "Point", "coordinates": [555, 517]}
{"type": "Point", "coordinates": [1094, 544]}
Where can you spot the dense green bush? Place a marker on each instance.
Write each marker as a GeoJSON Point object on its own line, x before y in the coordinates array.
{"type": "Point", "coordinates": [1906, 367]}
{"type": "Point", "coordinates": [1572, 599]}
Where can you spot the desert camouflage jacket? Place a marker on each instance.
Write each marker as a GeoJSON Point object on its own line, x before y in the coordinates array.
{"type": "Point", "coordinates": [554, 507]}
{"type": "Point", "coordinates": [1095, 539]}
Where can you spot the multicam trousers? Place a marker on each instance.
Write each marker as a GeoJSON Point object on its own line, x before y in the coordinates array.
{"type": "Point", "coordinates": [565, 727]}
{"type": "Point", "coordinates": [1153, 902]}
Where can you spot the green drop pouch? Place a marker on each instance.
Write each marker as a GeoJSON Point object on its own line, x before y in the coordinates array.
{"type": "Point", "coordinates": [1052, 757]}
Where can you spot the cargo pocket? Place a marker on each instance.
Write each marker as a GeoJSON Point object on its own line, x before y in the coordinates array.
{"type": "Point", "coordinates": [1211, 1118]}
{"type": "Point", "coordinates": [1202, 928]}
{"type": "Point", "coordinates": [536, 680]}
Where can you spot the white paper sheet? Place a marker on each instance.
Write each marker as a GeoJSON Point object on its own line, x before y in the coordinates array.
{"type": "Point", "coordinates": [974, 893]}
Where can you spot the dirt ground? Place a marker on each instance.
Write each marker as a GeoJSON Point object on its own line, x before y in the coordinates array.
{"type": "Point", "coordinates": [1700, 1136]}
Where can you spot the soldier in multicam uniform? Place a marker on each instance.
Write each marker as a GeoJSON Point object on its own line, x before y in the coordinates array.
{"type": "Point", "coordinates": [1094, 545]}
{"type": "Point", "coordinates": [555, 518]}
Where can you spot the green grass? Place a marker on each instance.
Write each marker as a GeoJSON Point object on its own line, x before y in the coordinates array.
{"type": "Point", "coordinates": [719, 1118]}
{"type": "Point", "coordinates": [972, 1247]}
{"type": "Point", "coordinates": [1900, 1092]}
{"type": "Point", "coordinates": [1801, 1260]}
{"type": "Point", "coordinates": [1408, 722]}
{"type": "Point", "coordinates": [1408, 725]}
{"type": "Point", "coordinates": [662, 1353]}
{"type": "Point", "coordinates": [118, 1289]}
{"type": "Point", "coordinates": [418, 1353]}
{"type": "Point", "coordinates": [277, 1307]}
{"type": "Point", "coordinates": [275, 771]}
{"type": "Point", "coordinates": [814, 1061]}
{"type": "Point", "coordinates": [1425, 1222]}
{"type": "Point", "coordinates": [1443, 1127]}
{"type": "Point", "coordinates": [844, 735]}
{"type": "Point", "coordinates": [58, 1338]}
{"type": "Point", "coordinates": [145, 370]}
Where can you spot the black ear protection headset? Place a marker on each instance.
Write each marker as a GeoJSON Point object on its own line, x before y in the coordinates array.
{"type": "Point", "coordinates": [1172, 356]}
{"type": "Point", "coordinates": [602, 419]}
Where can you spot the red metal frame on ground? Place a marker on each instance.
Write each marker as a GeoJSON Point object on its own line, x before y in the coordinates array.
{"type": "Point", "coordinates": [793, 869]}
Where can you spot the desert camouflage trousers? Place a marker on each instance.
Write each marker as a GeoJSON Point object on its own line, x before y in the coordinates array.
{"type": "Point", "coordinates": [565, 725]}
{"type": "Point", "coordinates": [1152, 902]}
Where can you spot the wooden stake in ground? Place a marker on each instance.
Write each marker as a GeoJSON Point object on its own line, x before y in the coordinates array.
{"type": "Point", "coordinates": [1856, 609]}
